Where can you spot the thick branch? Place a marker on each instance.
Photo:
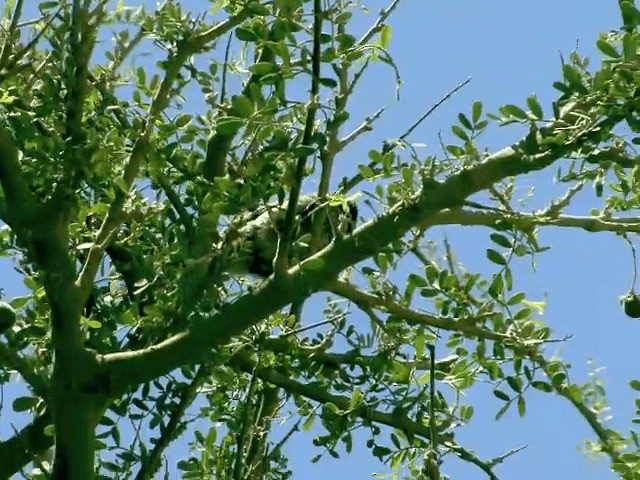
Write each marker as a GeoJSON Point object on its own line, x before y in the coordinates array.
{"type": "Point", "coordinates": [7, 46]}
{"type": "Point", "coordinates": [339, 360]}
{"type": "Point", "coordinates": [129, 369]}
{"type": "Point", "coordinates": [366, 300]}
{"type": "Point", "coordinates": [314, 392]}
{"type": "Point", "coordinates": [21, 204]}
{"type": "Point", "coordinates": [13, 360]}
{"type": "Point", "coordinates": [19, 451]}
{"type": "Point", "coordinates": [139, 150]}
{"type": "Point", "coordinates": [607, 443]}
{"type": "Point", "coordinates": [397, 419]}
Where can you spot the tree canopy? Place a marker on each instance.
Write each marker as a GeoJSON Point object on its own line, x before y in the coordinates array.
{"type": "Point", "coordinates": [134, 196]}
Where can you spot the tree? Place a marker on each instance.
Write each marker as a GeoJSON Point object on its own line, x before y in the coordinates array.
{"type": "Point", "coordinates": [126, 213]}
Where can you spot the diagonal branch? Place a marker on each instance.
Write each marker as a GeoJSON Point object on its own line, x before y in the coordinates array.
{"type": "Point", "coordinates": [467, 325]}
{"type": "Point", "coordinates": [13, 64]}
{"type": "Point", "coordinates": [19, 450]}
{"type": "Point", "coordinates": [152, 462]}
{"type": "Point", "coordinates": [529, 220]}
{"type": "Point", "coordinates": [12, 360]}
{"type": "Point", "coordinates": [21, 203]}
{"type": "Point", "coordinates": [605, 435]}
{"type": "Point", "coordinates": [281, 262]}
{"type": "Point", "coordinates": [353, 357]}
{"type": "Point", "coordinates": [161, 98]}
{"type": "Point", "coordinates": [379, 23]}
{"type": "Point", "coordinates": [7, 46]}
{"type": "Point", "coordinates": [396, 419]}
{"type": "Point", "coordinates": [128, 369]}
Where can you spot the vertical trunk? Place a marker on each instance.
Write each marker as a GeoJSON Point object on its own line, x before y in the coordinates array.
{"type": "Point", "coordinates": [76, 412]}
{"type": "Point", "coordinates": [75, 422]}
{"type": "Point", "coordinates": [258, 464]}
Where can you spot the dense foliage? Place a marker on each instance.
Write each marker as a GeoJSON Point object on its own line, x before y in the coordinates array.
{"type": "Point", "coordinates": [127, 187]}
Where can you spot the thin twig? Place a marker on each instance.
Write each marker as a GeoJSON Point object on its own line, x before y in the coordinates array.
{"type": "Point", "coordinates": [178, 206]}
{"type": "Point", "coordinates": [7, 46]}
{"type": "Point", "coordinates": [379, 23]}
{"type": "Point", "coordinates": [348, 184]}
{"type": "Point", "coordinates": [433, 109]}
{"type": "Point", "coordinates": [364, 127]}
{"type": "Point", "coordinates": [151, 463]}
{"type": "Point", "coordinates": [501, 458]}
{"type": "Point", "coordinates": [281, 262]}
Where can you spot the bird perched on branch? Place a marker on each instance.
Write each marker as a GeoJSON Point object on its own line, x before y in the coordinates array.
{"type": "Point", "coordinates": [261, 232]}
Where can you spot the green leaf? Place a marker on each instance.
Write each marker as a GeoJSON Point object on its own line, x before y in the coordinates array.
{"type": "Point", "coordinates": [501, 395]}
{"type": "Point", "coordinates": [497, 286]}
{"type": "Point", "coordinates": [630, 15]}
{"type": "Point", "coordinates": [328, 82]}
{"type": "Point", "coordinates": [429, 292]}
{"type": "Point", "coordinates": [91, 323]}
{"type": "Point", "coordinates": [502, 411]}
{"type": "Point", "coordinates": [142, 75]}
{"type": "Point", "coordinates": [534, 106]}
{"type": "Point", "coordinates": [182, 120]}
{"type": "Point", "coordinates": [508, 278]}
{"type": "Point", "coordinates": [375, 156]}
{"type": "Point", "coordinates": [542, 386]}
{"type": "Point", "coordinates": [417, 280]}
{"type": "Point", "coordinates": [385, 36]}
{"type": "Point", "coordinates": [466, 412]}
{"type": "Point", "coordinates": [19, 302]}
{"type": "Point", "coordinates": [242, 106]}
{"type": "Point", "coordinates": [407, 176]}
{"type": "Point", "coordinates": [630, 46]}
{"type": "Point", "coordinates": [455, 150]}
{"type": "Point", "coordinates": [476, 111]}
{"type": "Point", "coordinates": [366, 171]}
{"type": "Point", "coordinates": [523, 314]}
{"type": "Point", "coordinates": [514, 111]}
{"type": "Point", "coordinates": [571, 75]}
{"type": "Point", "coordinates": [308, 423]}
{"type": "Point", "coordinates": [495, 257]}
{"type": "Point", "coordinates": [515, 383]}
{"type": "Point", "coordinates": [420, 344]}
{"type": "Point", "coordinates": [245, 34]}
{"type": "Point", "coordinates": [635, 384]}
{"type": "Point", "coordinates": [522, 406]}
{"type": "Point", "coordinates": [356, 398]}
{"type": "Point", "coordinates": [380, 452]}
{"type": "Point", "coordinates": [459, 132]}
{"type": "Point", "coordinates": [464, 121]}
{"type": "Point", "coordinates": [22, 404]}
{"type": "Point", "coordinates": [538, 306]}
{"type": "Point", "coordinates": [501, 240]}
{"type": "Point", "coordinates": [263, 68]}
{"type": "Point", "coordinates": [608, 49]}
{"type": "Point", "coordinates": [516, 298]}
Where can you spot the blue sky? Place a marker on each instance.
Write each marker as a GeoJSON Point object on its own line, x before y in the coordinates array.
{"type": "Point", "coordinates": [511, 50]}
